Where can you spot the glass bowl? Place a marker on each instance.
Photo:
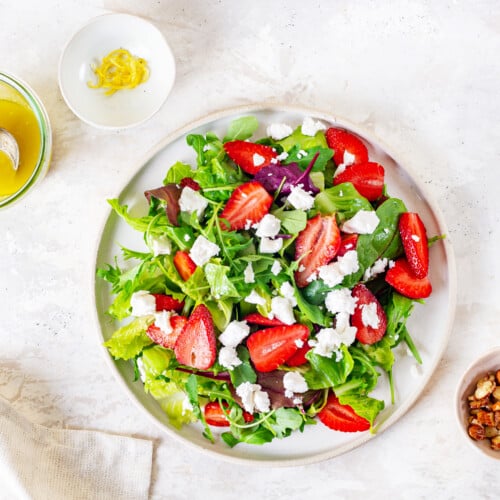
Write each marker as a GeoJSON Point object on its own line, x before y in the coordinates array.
{"type": "Point", "coordinates": [19, 103]}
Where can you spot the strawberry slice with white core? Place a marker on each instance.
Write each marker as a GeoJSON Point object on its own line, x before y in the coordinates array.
{"type": "Point", "coordinates": [316, 246]}
{"type": "Point", "coordinates": [196, 345]}
{"type": "Point", "coordinates": [247, 205]}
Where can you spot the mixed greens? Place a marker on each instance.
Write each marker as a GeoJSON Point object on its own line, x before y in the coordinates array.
{"type": "Point", "coordinates": [255, 405]}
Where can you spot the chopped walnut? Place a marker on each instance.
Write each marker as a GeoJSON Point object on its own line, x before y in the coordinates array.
{"type": "Point", "coordinates": [484, 410]}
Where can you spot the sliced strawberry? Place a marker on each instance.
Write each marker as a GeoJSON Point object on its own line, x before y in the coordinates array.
{"type": "Point", "coordinates": [376, 327]}
{"type": "Point", "coordinates": [184, 264]}
{"type": "Point", "coordinates": [414, 237]}
{"type": "Point", "coordinates": [299, 358]}
{"type": "Point", "coordinates": [367, 178]}
{"type": "Point", "coordinates": [340, 141]}
{"type": "Point", "coordinates": [317, 244]}
{"type": "Point", "coordinates": [249, 156]}
{"type": "Point", "coordinates": [196, 345]}
{"type": "Point", "coordinates": [247, 205]}
{"type": "Point", "coordinates": [341, 417]}
{"type": "Point", "coordinates": [401, 277]}
{"type": "Point", "coordinates": [214, 414]}
{"type": "Point", "coordinates": [347, 243]}
{"type": "Point", "coordinates": [271, 347]}
{"type": "Point", "coordinates": [168, 340]}
{"type": "Point", "coordinates": [258, 319]}
{"type": "Point", "coordinates": [167, 303]}
{"type": "Point", "coordinates": [188, 182]}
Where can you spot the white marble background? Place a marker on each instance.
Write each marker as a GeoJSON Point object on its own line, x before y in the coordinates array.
{"type": "Point", "coordinates": [423, 75]}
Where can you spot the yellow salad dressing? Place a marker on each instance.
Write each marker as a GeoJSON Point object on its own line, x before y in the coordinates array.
{"type": "Point", "coordinates": [18, 118]}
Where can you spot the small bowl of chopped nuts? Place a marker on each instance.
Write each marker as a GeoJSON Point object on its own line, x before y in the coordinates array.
{"type": "Point", "coordinates": [478, 403]}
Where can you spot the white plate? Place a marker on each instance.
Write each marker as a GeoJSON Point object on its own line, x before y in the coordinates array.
{"type": "Point", "coordinates": [125, 108]}
{"type": "Point", "coordinates": [429, 325]}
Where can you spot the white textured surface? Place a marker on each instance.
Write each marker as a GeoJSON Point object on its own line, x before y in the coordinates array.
{"type": "Point", "coordinates": [423, 76]}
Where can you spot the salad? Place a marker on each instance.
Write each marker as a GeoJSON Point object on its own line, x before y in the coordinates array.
{"type": "Point", "coordinates": [276, 280]}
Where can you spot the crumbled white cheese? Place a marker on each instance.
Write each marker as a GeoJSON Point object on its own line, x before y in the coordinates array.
{"type": "Point", "coordinates": [234, 333]}
{"type": "Point", "coordinates": [348, 263]}
{"type": "Point", "coordinates": [160, 245]}
{"type": "Point", "coordinates": [192, 201]}
{"type": "Point", "coordinates": [369, 315]}
{"type": "Point", "coordinates": [276, 267]}
{"type": "Point", "coordinates": [143, 303]}
{"type": "Point", "coordinates": [186, 405]}
{"type": "Point", "coordinates": [287, 290]}
{"type": "Point", "coordinates": [142, 371]}
{"type": "Point", "coordinates": [255, 298]}
{"type": "Point", "coordinates": [279, 131]}
{"type": "Point", "coordinates": [299, 343]}
{"type": "Point", "coordinates": [282, 309]}
{"type": "Point", "coordinates": [340, 300]}
{"type": "Point", "coordinates": [282, 156]}
{"type": "Point", "coordinates": [269, 226]}
{"type": "Point", "coordinates": [258, 160]}
{"type": "Point", "coordinates": [162, 321]}
{"type": "Point", "coordinates": [203, 250]}
{"type": "Point", "coordinates": [329, 340]}
{"type": "Point", "coordinates": [377, 268]}
{"type": "Point", "coordinates": [364, 222]}
{"type": "Point", "coordinates": [300, 199]}
{"type": "Point", "coordinates": [333, 274]}
{"type": "Point", "coordinates": [187, 237]}
{"type": "Point", "coordinates": [228, 357]}
{"type": "Point", "coordinates": [311, 127]}
{"type": "Point", "coordinates": [294, 382]}
{"type": "Point", "coordinates": [253, 397]}
{"type": "Point", "coordinates": [268, 245]}
{"type": "Point", "coordinates": [248, 274]}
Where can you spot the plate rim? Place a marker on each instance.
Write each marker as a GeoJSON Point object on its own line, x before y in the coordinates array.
{"type": "Point", "coordinates": [447, 248]}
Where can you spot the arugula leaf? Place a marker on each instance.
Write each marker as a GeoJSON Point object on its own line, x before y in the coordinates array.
{"type": "Point", "coordinates": [293, 221]}
{"type": "Point", "coordinates": [327, 372]}
{"type": "Point", "coordinates": [129, 340]}
{"type": "Point", "coordinates": [285, 421]}
{"type": "Point", "coordinates": [177, 172]}
{"type": "Point", "coordinates": [220, 286]}
{"type": "Point", "coordinates": [241, 129]}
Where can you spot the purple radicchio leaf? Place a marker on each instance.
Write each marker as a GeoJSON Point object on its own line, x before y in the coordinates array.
{"type": "Point", "coordinates": [170, 194]}
{"type": "Point", "coordinates": [287, 176]}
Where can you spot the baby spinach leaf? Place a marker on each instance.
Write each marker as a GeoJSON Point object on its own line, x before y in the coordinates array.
{"type": "Point", "coordinates": [295, 155]}
{"type": "Point", "coordinates": [293, 221]}
{"type": "Point", "coordinates": [244, 372]}
{"type": "Point", "coordinates": [241, 129]}
{"type": "Point", "coordinates": [343, 200]}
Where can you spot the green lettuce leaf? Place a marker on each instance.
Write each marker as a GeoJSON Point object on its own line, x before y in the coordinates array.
{"type": "Point", "coordinates": [129, 340]}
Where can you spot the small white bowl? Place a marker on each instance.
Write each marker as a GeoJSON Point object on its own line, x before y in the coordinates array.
{"type": "Point", "coordinates": [487, 363]}
{"type": "Point", "coordinates": [125, 108]}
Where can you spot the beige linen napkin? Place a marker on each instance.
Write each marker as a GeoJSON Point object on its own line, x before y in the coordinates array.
{"type": "Point", "coordinates": [39, 463]}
